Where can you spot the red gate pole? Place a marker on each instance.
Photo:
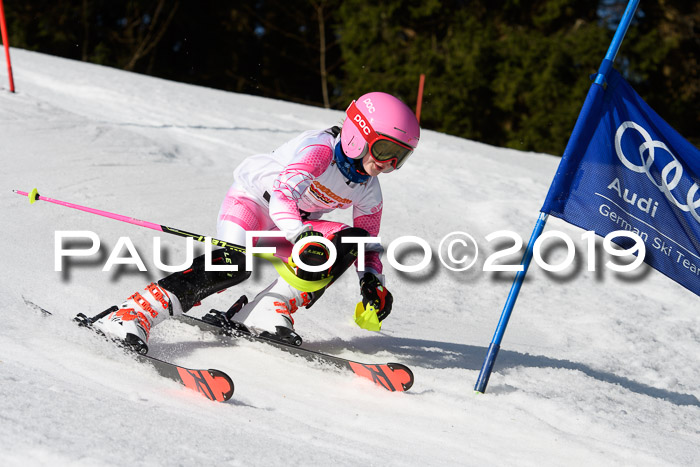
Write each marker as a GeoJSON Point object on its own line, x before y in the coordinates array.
{"type": "Point", "coordinates": [6, 43]}
{"type": "Point", "coordinates": [419, 101]}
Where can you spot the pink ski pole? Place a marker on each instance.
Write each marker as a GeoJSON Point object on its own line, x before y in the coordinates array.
{"type": "Point", "coordinates": [283, 269]}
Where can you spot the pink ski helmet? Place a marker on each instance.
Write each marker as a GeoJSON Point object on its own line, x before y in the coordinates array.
{"type": "Point", "coordinates": [382, 125]}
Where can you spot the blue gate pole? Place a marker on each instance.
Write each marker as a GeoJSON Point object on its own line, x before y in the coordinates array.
{"type": "Point", "coordinates": [603, 70]}
{"type": "Point", "coordinates": [616, 42]}
{"type": "Point", "coordinates": [495, 345]}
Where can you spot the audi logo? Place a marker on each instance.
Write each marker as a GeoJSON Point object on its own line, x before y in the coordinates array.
{"type": "Point", "coordinates": [671, 173]}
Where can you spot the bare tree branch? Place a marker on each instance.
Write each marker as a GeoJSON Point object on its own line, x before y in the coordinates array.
{"type": "Point", "coordinates": [322, 54]}
{"type": "Point", "coordinates": [153, 35]}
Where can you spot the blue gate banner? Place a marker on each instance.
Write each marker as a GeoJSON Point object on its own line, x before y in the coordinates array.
{"type": "Point", "coordinates": [627, 169]}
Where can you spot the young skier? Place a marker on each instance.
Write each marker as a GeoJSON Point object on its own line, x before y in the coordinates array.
{"type": "Point", "coordinates": [290, 189]}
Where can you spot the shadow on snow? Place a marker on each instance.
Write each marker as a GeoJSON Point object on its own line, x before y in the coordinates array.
{"type": "Point", "coordinates": [435, 354]}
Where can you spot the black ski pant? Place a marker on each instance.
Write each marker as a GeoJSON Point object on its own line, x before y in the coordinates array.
{"type": "Point", "coordinates": [193, 285]}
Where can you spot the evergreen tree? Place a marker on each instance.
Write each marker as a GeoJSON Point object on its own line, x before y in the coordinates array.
{"type": "Point", "coordinates": [660, 57]}
{"type": "Point", "coordinates": [505, 72]}
{"type": "Point", "coordinates": [510, 73]}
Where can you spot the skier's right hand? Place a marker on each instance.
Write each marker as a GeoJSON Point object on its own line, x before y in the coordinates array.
{"type": "Point", "coordinates": [374, 293]}
{"type": "Point", "coordinates": [312, 254]}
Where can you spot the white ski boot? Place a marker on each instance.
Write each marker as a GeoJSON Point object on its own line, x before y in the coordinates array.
{"type": "Point", "coordinates": [270, 313]}
{"type": "Point", "coordinates": [131, 322]}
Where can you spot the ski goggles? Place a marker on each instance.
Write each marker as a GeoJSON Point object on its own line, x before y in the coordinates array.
{"type": "Point", "coordinates": [382, 148]}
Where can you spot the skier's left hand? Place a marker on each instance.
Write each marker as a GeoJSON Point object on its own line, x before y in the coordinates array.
{"type": "Point", "coordinates": [374, 293]}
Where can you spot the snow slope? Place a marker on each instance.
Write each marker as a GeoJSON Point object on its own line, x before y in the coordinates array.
{"type": "Point", "coordinates": [595, 368]}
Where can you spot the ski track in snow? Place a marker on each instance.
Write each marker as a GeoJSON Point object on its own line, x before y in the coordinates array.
{"type": "Point", "coordinates": [594, 368]}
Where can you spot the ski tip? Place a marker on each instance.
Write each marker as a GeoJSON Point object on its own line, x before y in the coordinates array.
{"type": "Point", "coordinates": [34, 306]}
{"type": "Point", "coordinates": [224, 384]}
{"type": "Point", "coordinates": [393, 377]}
{"type": "Point", "coordinates": [215, 385]}
{"type": "Point", "coordinates": [406, 380]}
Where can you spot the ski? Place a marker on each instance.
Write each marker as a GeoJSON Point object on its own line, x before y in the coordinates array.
{"type": "Point", "coordinates": [390, 376]}
{"type": "Point", "coordinates": [215, 385]}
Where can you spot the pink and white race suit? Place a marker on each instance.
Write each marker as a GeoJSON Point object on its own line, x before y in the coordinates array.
{"type": "Point", "coordinates": [270, 190]}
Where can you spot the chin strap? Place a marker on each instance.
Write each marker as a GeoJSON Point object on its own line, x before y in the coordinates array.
{"type": "Point", "coordinates": [351, 168]}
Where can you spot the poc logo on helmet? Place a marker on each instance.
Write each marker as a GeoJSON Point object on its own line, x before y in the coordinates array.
{"type": "Point", "coordinates": [362, 124]}
{"type": "Point", "coordinates": [369, 105]}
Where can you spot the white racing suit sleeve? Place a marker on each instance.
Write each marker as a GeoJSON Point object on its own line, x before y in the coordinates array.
{"type": "Point", "coordinates": [309, 163]}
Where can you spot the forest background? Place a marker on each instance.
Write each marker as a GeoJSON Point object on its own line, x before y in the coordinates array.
{"type": "Point", "coordinates": [511, 73]}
